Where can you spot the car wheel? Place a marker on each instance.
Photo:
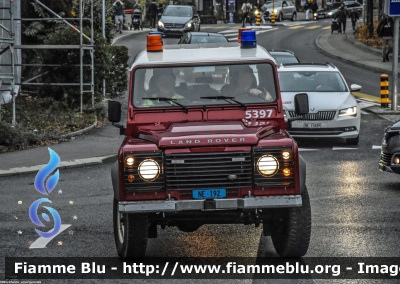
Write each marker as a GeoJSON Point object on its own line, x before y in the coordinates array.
{"type": "Point", "coordinates": [291, 229]}
{"type": "Point", "coordinates": [294, 17]}
{"type": "Point", "coordinates": [280, 17]}
{"type": "Point", "coordinates": [199, 28]}
{"type": "Point", "coordinates": [353, 141]}
{"type": "Point", "coordinates": [130, 233]}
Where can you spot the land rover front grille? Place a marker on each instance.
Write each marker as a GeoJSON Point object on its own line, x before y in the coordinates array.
{"type": "Point", "coordinates": [321, 115]}
{"type": "Point", "coordinates": [208, 170]}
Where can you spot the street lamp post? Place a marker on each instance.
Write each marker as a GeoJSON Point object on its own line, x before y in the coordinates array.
{"type": "Point", "coordinates": [103, 27]}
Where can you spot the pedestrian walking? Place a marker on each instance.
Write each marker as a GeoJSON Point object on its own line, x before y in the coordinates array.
{"type": "Point", "coordinates": [307, 9]}
{"type": "Point", "coordinates": [119, 15]}
{"type": "Point", "coordinates": [341, 17]}
{"type": "Point", "coordinates": [354, 17]}
{"type": "Point", "coordinates": [385, 32]}
{"type": "Point", "coordinates": [160, 11]}
{"type": "Point", "coordinates": [246, 8]}
{"type": "Point", "coordinates": [152, 12]}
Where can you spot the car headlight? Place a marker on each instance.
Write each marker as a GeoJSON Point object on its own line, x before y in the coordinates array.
{"type": "Point", "coordinates": [351, 111]}
{"type": "Point", "coordinates": [315, 14]}
{"type": "Point", "coordinates": [149, 170]}
{"type": "Point", "coordinates": [189, 24]}
{"type": "Point", "coordinates": [267, 165]}
{"type": "Point", "coordinates": [161, 24]}
{"type": "Point", "coordinates": [330, 13]}
{"type": "Point", "coordinates": [275, 11]}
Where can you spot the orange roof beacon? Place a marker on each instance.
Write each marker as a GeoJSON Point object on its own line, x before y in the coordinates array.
{"type": "Point", "coordinates": [206, 143]}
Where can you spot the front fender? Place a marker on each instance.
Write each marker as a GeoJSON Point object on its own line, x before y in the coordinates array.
{"type": "Point", "coordinates": [302, 172]}
{"type": "Point", "coordinates": [115, 180]}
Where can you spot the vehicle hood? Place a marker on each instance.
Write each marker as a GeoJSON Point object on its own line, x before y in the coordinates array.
{"type": "Point", "coordinates": [395, 125]}
{"type": "Point", "coordinates": [321, 101]}
{"type": "Point", "coordinates": [195, 134]}
{"type": "Point", "coordinates": [176, 20]}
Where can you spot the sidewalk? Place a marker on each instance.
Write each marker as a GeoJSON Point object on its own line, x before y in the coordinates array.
{"type": "Point", "coordinates": [102, 144]}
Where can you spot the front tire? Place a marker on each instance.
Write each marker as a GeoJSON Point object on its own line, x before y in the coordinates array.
{"type": "Point", "coordinates": [130, 233]}
{"type": "Point", "coordinates": [291, 229]}
{"type": "Point", "coordinates": [280, 17]}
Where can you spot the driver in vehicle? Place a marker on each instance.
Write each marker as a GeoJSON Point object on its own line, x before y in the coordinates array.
{"type": "Point", "coordinates": [243, 83]}
{"type": "Point", "coordinates": [161, 85]}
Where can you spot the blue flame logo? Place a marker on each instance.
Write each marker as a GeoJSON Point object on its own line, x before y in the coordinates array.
{"type": "Point", "coordinates": [45, 171]}
{"type": "Point", "coordinates": [35, 218]}
{"type": "Point", "coordinates": [46, 187]}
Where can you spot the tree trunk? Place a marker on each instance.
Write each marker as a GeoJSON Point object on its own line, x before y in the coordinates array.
{"type": "Point", "coordinates": [370, 17]}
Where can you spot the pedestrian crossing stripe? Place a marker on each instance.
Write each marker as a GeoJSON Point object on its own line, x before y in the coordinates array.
{"type": "Point", "coordinates": [228, 31]}
{"type": "Point", "coordinates": [326, 28]}
{"type": "Point", "coordinates": [295, 27]}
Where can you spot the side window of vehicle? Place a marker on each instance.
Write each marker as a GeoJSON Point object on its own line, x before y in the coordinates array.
{"type": "Point", "coordinates": [284, 4]}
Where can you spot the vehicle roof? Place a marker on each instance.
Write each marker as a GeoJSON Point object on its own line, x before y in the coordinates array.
{"type": "Point", "coordinates": [205, 34]}
{"type": "Point", "coordinates": [307, 67]}
{"type": "Point", "coordinates": [179, 6]}
{"type": "Point", "coordinates": [204, 52]}
{"type": "Point", "coordinates": [281, 52]}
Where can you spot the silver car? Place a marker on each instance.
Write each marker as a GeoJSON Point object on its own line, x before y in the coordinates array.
{"type": "Point", "coordinates": [178, 20]}
{"type": "Point", "coordinates": [282, 9]}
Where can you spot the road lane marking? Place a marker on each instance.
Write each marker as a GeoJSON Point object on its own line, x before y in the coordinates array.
{"type": "Point", "coordinates": [307, 150]}
{"type": "Point", "coordinates": [312, 27]}
{"type": "Point", "coordinates": [326, 28]}
{"type": "Point", "coordinates": [295, 27]}
{"type": "Point", "coordinates": [342, 149]}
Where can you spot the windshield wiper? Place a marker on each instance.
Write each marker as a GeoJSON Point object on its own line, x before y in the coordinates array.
{"type": "Point", "coordinates": [227, 99]}
{"type": "Point", "coordinates": [171, 101]}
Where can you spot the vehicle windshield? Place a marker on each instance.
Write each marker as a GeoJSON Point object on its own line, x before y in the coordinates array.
{"type": "Point", "coordinates": [208, 39]}
{"type": "Point", "coordinates": [276, 4]}
{"type": "Point", "coordinates": [178, 12]}
{"type": "Point", "coordinates": [308, 81]}
{"type": "Point", "coordinates": [285, 59]}
{"type": "Point", "coordinates": [204, 85]}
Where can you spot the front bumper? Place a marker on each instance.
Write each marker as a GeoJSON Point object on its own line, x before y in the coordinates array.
{"type": "Point", "coordinates": [170, 31]}
{"type": "Point", "coordinates": [260, 202]}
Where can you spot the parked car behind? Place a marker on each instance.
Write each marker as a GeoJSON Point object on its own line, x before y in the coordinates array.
{"type": "Point", "coordinates": [283, 56]}
{"type": "Point", "coordinates": [390, 154]}
{"type": "Point", "coordinates": [178, 19]}
{"type": "Point", "coordinates": [282, 9]}
{"type": "Point", "coordinates": [202, 37]}
{"type": "Point", "coordinates": [334, 112]}
{"type": "Point", "coordinates": [331, 9]}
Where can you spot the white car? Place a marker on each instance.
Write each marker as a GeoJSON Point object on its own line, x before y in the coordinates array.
{"type": "Point", "coordinates": [334, 112]}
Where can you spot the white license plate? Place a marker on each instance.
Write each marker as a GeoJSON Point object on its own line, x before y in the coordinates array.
{"type": "Point", "coordinates": [312, 125]}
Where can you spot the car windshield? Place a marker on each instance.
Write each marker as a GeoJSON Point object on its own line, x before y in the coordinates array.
{"type": "Point", "coordinates": [204, 85]}
{"type": "Point", "coordinates": [308, 81]}
{"type": "Point", "coordinates": [178, 12]}
{"type": "Point", "coordinates": [208, 39]}
{"type": "Point", "coordinates": [276, 4]}
{"type": "Point", "coordinates": [285, 59]}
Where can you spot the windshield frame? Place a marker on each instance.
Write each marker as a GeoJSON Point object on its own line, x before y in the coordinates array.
{"type": "Point", "coordinates": [191, 64]}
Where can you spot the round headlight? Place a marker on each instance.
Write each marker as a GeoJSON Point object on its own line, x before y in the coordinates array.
{"type": "Point", "coordinates": [149, 170]}
{"type": "Point", "coordinates": [267, 165]}
{"type": "Point", "coordinates": [129, 161]}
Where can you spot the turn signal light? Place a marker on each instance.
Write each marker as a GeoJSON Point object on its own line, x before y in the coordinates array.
{"type": "Point", "coordinates": [131, 178]}
{"type": "Point", "coordinates": [286, 172]}
{"type": "Point", "coordinates": [154, 42]}
{"type": "Point", "coordinates": [240, 33]}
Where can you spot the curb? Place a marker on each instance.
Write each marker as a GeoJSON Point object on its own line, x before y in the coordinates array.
{"type": "Point", "coordinates": [319, 46]}
{"type": "Point", "coordinates": [63, 165]}
{"type": "Point", "coordinates": [115, 40]}
{"type": "Point", "coordinates": [82, 131]}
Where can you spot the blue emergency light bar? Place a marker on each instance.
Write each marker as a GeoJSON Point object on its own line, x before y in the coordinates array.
{"type": "Point", "coordinates": [249, 39]}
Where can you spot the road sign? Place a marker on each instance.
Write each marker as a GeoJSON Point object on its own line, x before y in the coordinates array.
{"type": "Point", "coordinates": [394, 8]}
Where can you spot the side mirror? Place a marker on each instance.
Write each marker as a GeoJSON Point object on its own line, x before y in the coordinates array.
{"type": "Point", "coordinates": [114, 111]}
{"type": "Point", "coordinates": [355, 88]}
{"type": "Point", "coordinates": [301, 104]}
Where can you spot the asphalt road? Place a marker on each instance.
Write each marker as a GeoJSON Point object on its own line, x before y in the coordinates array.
{"type": "Point", "coordinates": [354, 206]}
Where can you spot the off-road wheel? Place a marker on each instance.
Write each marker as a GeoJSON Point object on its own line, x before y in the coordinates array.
{"type": "Point", "coordinates": [130, 233]}
{"type": "Point", "coordinates": [353, 141]}
{"type": "Point", "coordinates": [294, 17]}
{"type": "Point", "coordinates": [280, 17]}
{"type": "Point", "coordinates": [291, 229]}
